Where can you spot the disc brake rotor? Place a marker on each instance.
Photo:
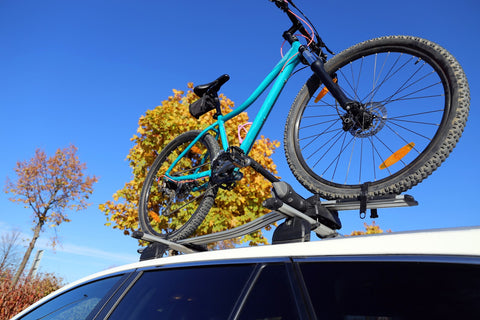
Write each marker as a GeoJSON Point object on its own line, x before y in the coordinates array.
{"type": "Point", "coordinates": [379, 116]}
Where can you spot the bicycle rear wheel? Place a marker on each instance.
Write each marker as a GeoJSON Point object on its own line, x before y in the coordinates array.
{"type": "Point", "coordinates": [174, 209]}
{"type": "Point", "coordinates": [418, 99]}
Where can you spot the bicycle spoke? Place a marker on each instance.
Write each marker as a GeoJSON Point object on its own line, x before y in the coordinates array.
{"type": "Point", "coordinates": [401, 137]}
{"type": "Point", "coordinates": [388, 148]}
{"type": "Point", "coordinates": [404, 86]}
{"type": "Point", "coordinates": [317, 136]}
{"type": "Point", "coordinates": [415, 114]}
{"type": "Point", "coordinates": [320, 134]}
{"type": "Point", "coordinates": [358, 78]}
{"type": "Point", "coordinates": [347, 81]}
{"type": "Point", "coordinates": [337, 156]}
{"type": "Point", "coordinates": [417, 122]}
{"type": "Point", "coordinates": [379, 86]}
{"type": "Point", "coordinates": [326, 152]}
{"type": "Point", "coordinates": [323, 105]}
{"type": "Point", "coordinates": [404, 97]}
{"type": "Point", "coordinates": [187, 171]}
{"type": "Point", "coordinates": [373, 165]}
{"type": "Point", "coordinates": [379, 156]}
{"type": "Point", "coordinates": [320, 116]}
{"type": "Point", "coordinates": [387, 77]}
{"type": "Point", "coordinates": [167, 203]}
{"type": "Point", "coordinates": [318, 123]}
{"type": "Point", "coordinates": [420, 79]}
{"type": "Point", "coordinates": [350, 159]}
{"type": "Point", "coordinates": [183, 206]}
{"type": "Point", "coordinates": [414, 132]}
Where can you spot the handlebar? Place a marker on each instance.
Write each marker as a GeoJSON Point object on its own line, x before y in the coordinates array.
{"type": "Point", "coordinates": [297, 25]}
{"type": "Point", "coordinates": [282, 4]}
{"type": "Point", "coordinates": [316, 42]}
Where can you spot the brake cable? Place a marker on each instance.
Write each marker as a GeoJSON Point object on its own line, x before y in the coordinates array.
{"type": "Point", "coordinates": [317, 36]}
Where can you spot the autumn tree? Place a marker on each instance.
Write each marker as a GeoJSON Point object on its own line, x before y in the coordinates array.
{"type": "Point", "coordinates": [15, 298]}
{"type": "Point", "coordinates": [369, 229]}
{"type": "Point", "coordinates": [161, 125]}
{"type": "Point", "coordinates": [8, 250]}
{"type": "Point", "coordinates": [49, 186]}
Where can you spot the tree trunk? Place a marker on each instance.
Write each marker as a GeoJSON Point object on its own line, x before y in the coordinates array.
{"type": "Point", "coordinates": [21, 268]}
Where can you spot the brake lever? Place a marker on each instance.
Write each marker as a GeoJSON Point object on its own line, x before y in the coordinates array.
{"type": "Point", "coordinates": [282, 4]}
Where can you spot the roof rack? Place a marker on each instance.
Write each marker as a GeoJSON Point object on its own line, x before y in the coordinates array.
{"type": "Point", "coordinates": [302, 216]}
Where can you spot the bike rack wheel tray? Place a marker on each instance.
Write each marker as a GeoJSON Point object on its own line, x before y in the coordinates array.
{"type": "Point", "coordinates": [314, 215]}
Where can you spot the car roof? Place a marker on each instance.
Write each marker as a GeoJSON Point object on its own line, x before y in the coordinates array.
{"type": "Point", "coordinates": [463, 241]}
{"type": "Point", "coordinates": [458, 242]}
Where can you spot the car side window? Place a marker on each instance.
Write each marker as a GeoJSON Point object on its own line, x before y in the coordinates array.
{"type": "Point", "coordinates": [271, 296]}
{"type": "Point", "coordinates": [184, 293]}
{"type": "Point", "coordinates": [74, 304]}
{"type": "Point", "coordinates": [393, 290]}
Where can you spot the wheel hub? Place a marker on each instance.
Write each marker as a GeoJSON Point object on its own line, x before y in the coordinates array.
{"type": "Point", "coordinates": [364, 120]}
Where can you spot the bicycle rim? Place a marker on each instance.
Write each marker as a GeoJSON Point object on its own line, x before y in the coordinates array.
{"type": "Point", "coordinates": [171, 208]}
{"type": "Point", "coordinates": [410, 96]}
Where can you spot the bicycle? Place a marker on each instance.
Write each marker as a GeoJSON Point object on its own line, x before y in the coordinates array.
{"type": "Point", "coordinates": [391, 108]}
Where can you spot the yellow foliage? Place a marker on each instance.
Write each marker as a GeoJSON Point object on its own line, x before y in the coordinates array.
{"type": "Point", "coordinates": [369, 229]}
{"type": "Point", "coordinates": [161, 125]}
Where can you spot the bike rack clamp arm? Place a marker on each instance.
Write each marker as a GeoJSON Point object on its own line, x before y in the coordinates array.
{"type": "Point", "coordinates": [170, 244]}
{"type": "Point", "coordinates": [279, 206]}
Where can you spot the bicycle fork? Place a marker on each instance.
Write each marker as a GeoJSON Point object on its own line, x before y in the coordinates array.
{"type": "Point", "coordinates": [358, 117]}
{"type": "Point", "coordinates": [317, 67]}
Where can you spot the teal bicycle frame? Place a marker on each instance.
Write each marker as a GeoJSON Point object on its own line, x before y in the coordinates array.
{"type": "Point", "coordinates": [281, 72]}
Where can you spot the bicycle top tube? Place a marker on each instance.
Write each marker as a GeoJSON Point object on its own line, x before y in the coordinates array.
{"type": "Point", "coordinates": [281, 72]}
{"type": "Point", "coordinates": [290, 59]}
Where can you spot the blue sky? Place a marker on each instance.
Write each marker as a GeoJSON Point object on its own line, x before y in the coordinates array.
{"type": "Point", "coordinates": [83, 72]}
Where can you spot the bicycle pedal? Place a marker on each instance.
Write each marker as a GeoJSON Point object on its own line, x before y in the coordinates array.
{"type": "Point", "coordinates": [238, 157]}
{"type": "Point", "coordinates": [221, 164]}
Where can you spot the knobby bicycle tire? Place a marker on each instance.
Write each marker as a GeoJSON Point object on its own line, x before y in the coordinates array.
{"type": "Point", "coordinates": [174, 210]}
{"type": "Point", "coordinates": [322, 151]}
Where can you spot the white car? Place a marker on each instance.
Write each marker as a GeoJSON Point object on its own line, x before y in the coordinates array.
{"type": "Point", "coordinates": [426, 275]}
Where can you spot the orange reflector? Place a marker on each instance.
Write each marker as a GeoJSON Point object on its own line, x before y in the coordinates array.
{"type": "Point", "coordinates": [323, 92]}
{"type": "Point", "coordinates": [398, 155]}
{"type": "Point", "coordinates": [196, 150]}
{"type": "Point", "coordinates": [154, 216]}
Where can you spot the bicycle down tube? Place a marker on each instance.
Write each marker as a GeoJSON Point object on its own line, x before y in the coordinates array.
{"type": "Point", "coordinates": [281, 72]}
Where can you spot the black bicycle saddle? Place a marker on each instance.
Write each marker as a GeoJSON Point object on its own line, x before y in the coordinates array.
{"type": "Point", "coordinates": [211, 87]}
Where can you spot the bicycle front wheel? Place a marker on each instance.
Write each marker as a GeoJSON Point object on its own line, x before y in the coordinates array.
{"type": "Point", "coordinates": [174, 209]}
{"type": "Point", "coordinates": [416, 98]}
